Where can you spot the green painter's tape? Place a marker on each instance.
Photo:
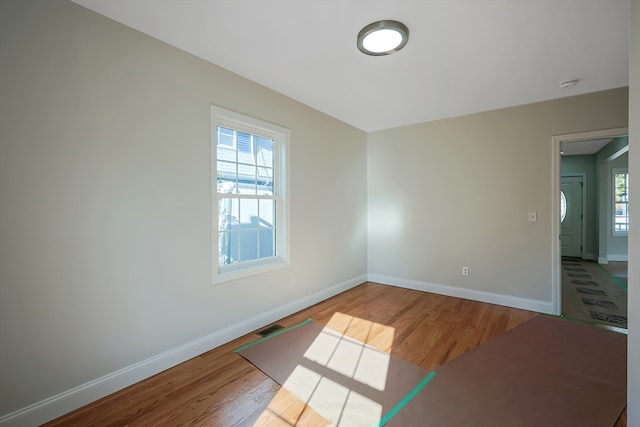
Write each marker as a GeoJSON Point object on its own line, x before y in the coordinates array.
{"type": "Point", "coordinates": [569, 318]}
{"type": "Point", "coordinates": [393, 412]}
{"type": "Point", "coordinates": [275, 334]}
{"type": "Point", "coordinates": [615, 278]}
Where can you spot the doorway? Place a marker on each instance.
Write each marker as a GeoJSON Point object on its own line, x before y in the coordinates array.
{"type": "Point", "coordinates": [583, 234]}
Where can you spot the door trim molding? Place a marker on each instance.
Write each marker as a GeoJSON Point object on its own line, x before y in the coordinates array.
{"type": "Point", "coordinates": [556, 143]}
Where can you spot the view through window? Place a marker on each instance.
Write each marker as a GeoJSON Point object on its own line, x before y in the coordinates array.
{"type": "Point", "coordinates": [621, 202]}
{"type": "Point", "coordinates": [563, 206]}
{"type": "Point", "coordinates": [249, 204]}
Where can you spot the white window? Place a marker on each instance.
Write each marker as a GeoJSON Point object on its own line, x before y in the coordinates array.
{"type": "Point", "coordinates": [620, 202]}
{"type": "Point", "coordinates": [249, 195]}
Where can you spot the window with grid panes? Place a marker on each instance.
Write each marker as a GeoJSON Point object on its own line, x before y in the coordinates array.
{"type": "Point", "coordinates": [620, 202]}
{"type": "Point", "coordinates": [250, 221]}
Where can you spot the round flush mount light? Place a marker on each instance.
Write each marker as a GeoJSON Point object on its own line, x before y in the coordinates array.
{"type": "Point", "coordinates": [568, 83]}
{"type": "Point", "coordinates": [383, 37]}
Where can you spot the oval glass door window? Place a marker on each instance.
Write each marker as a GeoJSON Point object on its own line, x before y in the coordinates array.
{"type": "Point", "coordinates": [563, 206]}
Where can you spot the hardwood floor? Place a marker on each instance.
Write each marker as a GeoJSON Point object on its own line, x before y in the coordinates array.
{"type": "Point", "coordinates": [618, 269]}
{"type": "Point", "coordinates": [220, 388]}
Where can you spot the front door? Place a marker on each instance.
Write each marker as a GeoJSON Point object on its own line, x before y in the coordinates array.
{"type": "Point", "coordinates": [571, 216]}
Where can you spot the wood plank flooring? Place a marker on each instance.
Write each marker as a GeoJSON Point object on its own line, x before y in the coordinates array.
{"type": "Point", "coordinates": [617, 268]}
{"type": "Point", "coordinates": [220, 388]}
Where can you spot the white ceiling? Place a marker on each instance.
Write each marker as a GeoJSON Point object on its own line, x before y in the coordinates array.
{"type": "Point", "coordinates": [463, 56]}
{"type": "Point", "coordinates": [585, 147]}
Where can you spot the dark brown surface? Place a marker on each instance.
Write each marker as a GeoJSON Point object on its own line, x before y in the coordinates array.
{"type": "Point", "coordinates": [546, 372]}
{"type": "Point", "coordinates": [280, 355]}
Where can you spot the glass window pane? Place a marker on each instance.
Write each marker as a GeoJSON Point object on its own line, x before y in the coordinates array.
{"type": "Point", "coordinates": [228, 248]}
{"type": "Point", "coordinates": [265, 181]}
{"type": "Point", "coordinates": [246, 159]}
{"type": "Point", "coordinates": [225, 136]}
{"type": "Point", "coordinates": [244, 142]}
{"type": "Point", "coordinates": [267, 213]}
{"type": "Point", "coordinates": [248, 245]}
{"type": "Point", "coordinates": [267, 243]}
{"type": "Point", "coordinates": [249, 213]}
{"type": "Point", "coordinates": [264, 151]}
{"type": "Point", "coordinates": [227, 154]}
{"type": "Point", "coordinates": [247, 179]}
{"type": "Point", "coordinates": [228, 210]}
{"type": "Point", "coordinates": [227, 170]}
{"type": "Point", "coordinates": [621, 187]}
{"type": "Point", "coordinates": [621, 203]}
{"type": "Point", "coordinates": [265, 174]}
{"type": "Point", "coordinates": [227, 177]}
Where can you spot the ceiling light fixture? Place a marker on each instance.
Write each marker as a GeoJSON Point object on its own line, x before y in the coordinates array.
{"type": "Point", "coordinates": [383, 37]}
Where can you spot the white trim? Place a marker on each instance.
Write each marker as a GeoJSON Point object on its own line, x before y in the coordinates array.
{"type": "Point", "coordinates": [617, 257]}
{"type": "Point", "coordinates": [556, 280]}
{"type": "Point", "coordinates": [248, 269]}
{"type": "Point", "coordinates": [617, 154]}
{"type": "Point", "coordinates": [470, 294]}
{"type": "Point", "coordinates": [67, 401]}
{"type": "Point", "coordinates": [556, 143]}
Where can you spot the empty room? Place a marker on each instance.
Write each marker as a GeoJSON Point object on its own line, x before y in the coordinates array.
{"type": "Point", "coordinates": [246, 213]}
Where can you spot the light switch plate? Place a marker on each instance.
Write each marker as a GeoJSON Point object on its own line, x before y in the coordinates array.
{"type": "Point", "coordinates": [533, 216]}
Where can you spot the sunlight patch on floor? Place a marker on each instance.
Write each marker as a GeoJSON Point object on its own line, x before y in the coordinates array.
{"type": "Point", "coordinates": [286, 410]}
{"type": "Point", "coordinates": [354, 348]}
{"type": "Point", "coordinates": [371, 333]}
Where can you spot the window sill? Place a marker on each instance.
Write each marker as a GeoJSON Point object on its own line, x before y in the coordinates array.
{"type": "Point", "coordinates": [243, 271]}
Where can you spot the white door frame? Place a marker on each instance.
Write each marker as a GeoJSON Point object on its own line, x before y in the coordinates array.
{"type": "Point", "coordinates": [556, 144]}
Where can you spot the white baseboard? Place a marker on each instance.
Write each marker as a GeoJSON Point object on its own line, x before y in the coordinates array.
{"type": "Point", "coordinates": [65, 402]}
{"type": "Point", "coordinates": [452, 291]}
{"type": "Point", "coordinates": [605, 260]}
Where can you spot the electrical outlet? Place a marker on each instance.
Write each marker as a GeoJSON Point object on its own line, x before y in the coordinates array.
{"type": "Point", "coordinates": [465, 270]}
{"type": "Point", "coordinates": [294, 280]}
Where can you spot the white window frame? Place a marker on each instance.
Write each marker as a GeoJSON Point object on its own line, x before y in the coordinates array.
{"type": "Point", "coordinates": [281, 137]}
{"type": "Point", "coordinates": [614, 172]}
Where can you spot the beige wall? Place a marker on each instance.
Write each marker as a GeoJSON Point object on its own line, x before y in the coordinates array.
{"type": "Point", "coordinates": [105, 200]}
{"type": "Point", "coordinates": [459, 192]}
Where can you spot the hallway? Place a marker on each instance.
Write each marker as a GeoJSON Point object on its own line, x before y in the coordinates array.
{"type": "Point", "coordinates": [595, 293]}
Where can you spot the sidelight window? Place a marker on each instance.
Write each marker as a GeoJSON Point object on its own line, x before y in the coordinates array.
{"type": "Point", "coordinates": [620, 202]}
